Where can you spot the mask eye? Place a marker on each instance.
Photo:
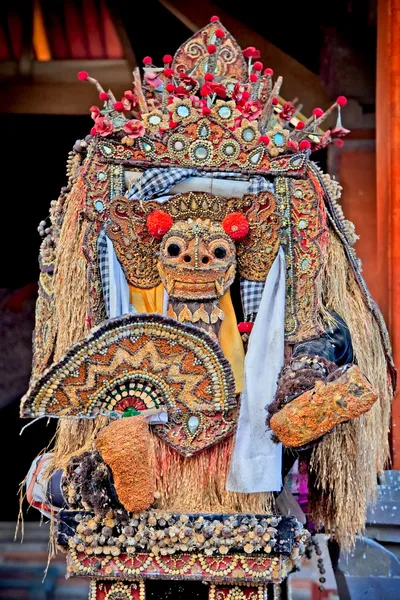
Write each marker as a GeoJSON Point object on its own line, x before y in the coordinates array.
{"type": "Point", "coordinates": [220, 252]}
{"type": "Point", "coordinates": [173, 249]}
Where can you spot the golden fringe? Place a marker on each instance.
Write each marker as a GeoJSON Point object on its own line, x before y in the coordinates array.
{"type": "Point", "coordinates": [346, 462]}
{"type": "Point", "coordinates": [197, 484]}
{"type": "Point", "coordinates": [70, 284]}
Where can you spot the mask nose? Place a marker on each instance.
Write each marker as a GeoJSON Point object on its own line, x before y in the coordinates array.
{"type": "Point", "coordinates": [197, 256]}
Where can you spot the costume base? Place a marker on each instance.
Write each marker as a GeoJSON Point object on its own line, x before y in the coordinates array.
{"type": "Point", "coordinates": [136, 590]}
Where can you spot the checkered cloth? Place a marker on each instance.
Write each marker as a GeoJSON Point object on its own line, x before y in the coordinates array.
{"type": "Point", "coordinates": [157, 181]}
{"type": "Point", "coordinates": [251, 293]}
{"type": "Point", "coordinates": [102, 257]}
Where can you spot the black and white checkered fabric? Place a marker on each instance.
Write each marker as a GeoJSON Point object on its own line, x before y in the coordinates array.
{"type": "Point", "coordinates": [251, 293]}
{"type": "Point", "coordinates": [102, 257]}
{"type": "Point", "coordinates": [157, 182]}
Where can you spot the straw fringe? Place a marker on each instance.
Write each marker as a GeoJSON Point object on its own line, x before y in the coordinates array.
{"type": "Point", "coordinates": [71, 285]}
{"type": "Point", "coordinates": [344, 465]}
{"type": "Point", "coordinates": [198, 483]}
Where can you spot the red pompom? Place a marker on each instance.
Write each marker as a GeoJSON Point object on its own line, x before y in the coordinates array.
{"type": "Point", "coordinates": [167, 59]}
{"type": "Point", "coordinates": [214, 18]}
{"type": "Point", "coordinates": [275, 101]}
{"type": "Point", "coordinates": [317, 112]}
{"type": "Point", "coordinates": [268, 72]}
{"type": "Point", "coordinates": [93, 131]}
{"type": "Point", "coordinates": [236, 225]}
{"type": "Point", "coordinates": [304, 145]}
{"type": "Point", "coordinates": [220, 33]}
{"type": "Point", "coordinates": [205, 110]}
{"type": "Point", "coordinates": [258, 65]}
{"type": "Point", "coordinates": [339, 143]}
{"type": "Point", "coordinates": [118, 106]}
{"type": "Point", "coordinates": [170, 87]}
{"type": "Point", "coordinates": [245, 95]}
{"type": "Point", "coordinates": [251, 52]}
{"type": "Point", "coordinates": [253, 78]}
{"type": "Point", "coordinates": [341, 100]}
{"type": "Point", "coordinates": [211, 49]}
{"type": "Point", "coordinates": [168, 73]}
{"type": "Point", "coordinates": [264, 139]}
{"type": "Point", "coordinates": [209, 77]}
{"type": "Point", "coordinates": [300, 125]}
{"type": "Point", "coordinates": [103, 96]}
{"type": "Point", "coordinates": [245, 327]}
{"type": "Point", "coordinates": [147, 60]}
{"type": "Point", "coordinates": [158, 223]}
{"type": "Point", "coordinates": [205, 90]}
{"type": "Point", "coordinates": [83, 75]}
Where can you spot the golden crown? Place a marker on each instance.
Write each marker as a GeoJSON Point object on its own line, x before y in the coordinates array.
{"type": "Point", "coordinates": [210, 106]}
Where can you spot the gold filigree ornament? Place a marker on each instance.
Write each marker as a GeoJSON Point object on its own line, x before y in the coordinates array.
{"type": "Point", "coordinates": [278, 137]}
{"type": "Point", "coordinates": [155, 120]}
{"type": "Point", "coordinates": [225, 112]}
{"type": "Point", "coordinates": [248, 133]}
{"type": "Point", "coordinates": [182, 111]}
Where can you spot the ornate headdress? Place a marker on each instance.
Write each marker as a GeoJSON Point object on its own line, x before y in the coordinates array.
{"type": "Point", "coordinates": [211, 106]}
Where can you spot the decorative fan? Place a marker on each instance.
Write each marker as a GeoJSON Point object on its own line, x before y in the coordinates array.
{"type": "Point", "coordinates": [136, 363]}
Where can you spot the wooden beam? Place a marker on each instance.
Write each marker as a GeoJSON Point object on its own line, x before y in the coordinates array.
{"type": "Point", "coordinates": [388, 183]}
{"type": "Point", "coordinates": [53, 87]}
{"type": "Point", "coordinates": [298, 81]}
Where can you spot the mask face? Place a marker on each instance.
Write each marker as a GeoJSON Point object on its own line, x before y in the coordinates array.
{"type": "Point", "coordinates": [197, 260]}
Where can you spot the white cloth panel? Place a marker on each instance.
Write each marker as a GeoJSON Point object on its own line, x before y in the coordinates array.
{"type": "Point", "coordinates": [256, 460]}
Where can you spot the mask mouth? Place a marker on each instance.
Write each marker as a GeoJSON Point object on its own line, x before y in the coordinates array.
{"type": "Point", "coordinates": [196, 284]}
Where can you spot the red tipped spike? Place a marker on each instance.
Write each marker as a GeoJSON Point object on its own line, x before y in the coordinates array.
{"type": "Point", "coordinates": [214, 18]}
{"type": "Point", "coordinates": [342, 101]}
{"type": "Point", "coordinates": [264, 139]}
{"type": "Point", "coordinates": [317, 112]}
{"type": "Point", "coordinates": [147, 60]}
{"type": "Point", "coordinates": [304, 145]}
{"type": "Point", "coordinates": [211, 49]}
{"type": "Point", "coordinates": [83, 75]}
{"type": "Point", "coordinates": [339, 143]}
{"type": "Point", "coordinates": [103, 96]}
{"type": "Point", "coordinates": [300, 125]}
{"type": "Point", "coordinates": [118, 106]}
{"type": "Point", "coordinates": [167, 59]}
{"type": "Point", "coordinates": [275, 101]}
{"type": "Point", "coordinates": [258, 65]}
{"type": "Point", "coordinates": [253, 78]}
{"type": "Point", "coordinates": [220, 33]}
{"type": "Point", "coordinates": [209, 77]}
{"type": "Point", "coordinates": [268, 71]}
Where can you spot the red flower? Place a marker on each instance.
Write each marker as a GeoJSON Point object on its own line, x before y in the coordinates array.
{"type": "Point", "coordinates": [187, 81]}
{"type": "Point", "coordinates": [292, 145]}
{"type": "Point", "coordinates": [134, 128]}
{"type": "Point", "coordinates": [217, 88]}
{"type": "Point", "coordinates": [158, 223]}
{"type": "Point", "coordinates": [103, 126]}
{"type": "Point", "coordinates": [339, 132]}
{"type": "Point", "coordinates": [287, 112]}
{"type": "Point", "coordinates": [182, 92]}
{"type": "Point", "coordinates": [252, 110]}
{"type": "Point", "coordinates": [236, 225]}
{"type": "Point", "coordinates": [251, 52]}
{"type": "Point", "coordinates": [94, 112]}
{"type": "Point", "coordinates": [196, 102]}
{"type": "Point", "coordinates": [238, 91]}
{"type": "Point", "coordinates": [205, 90]}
